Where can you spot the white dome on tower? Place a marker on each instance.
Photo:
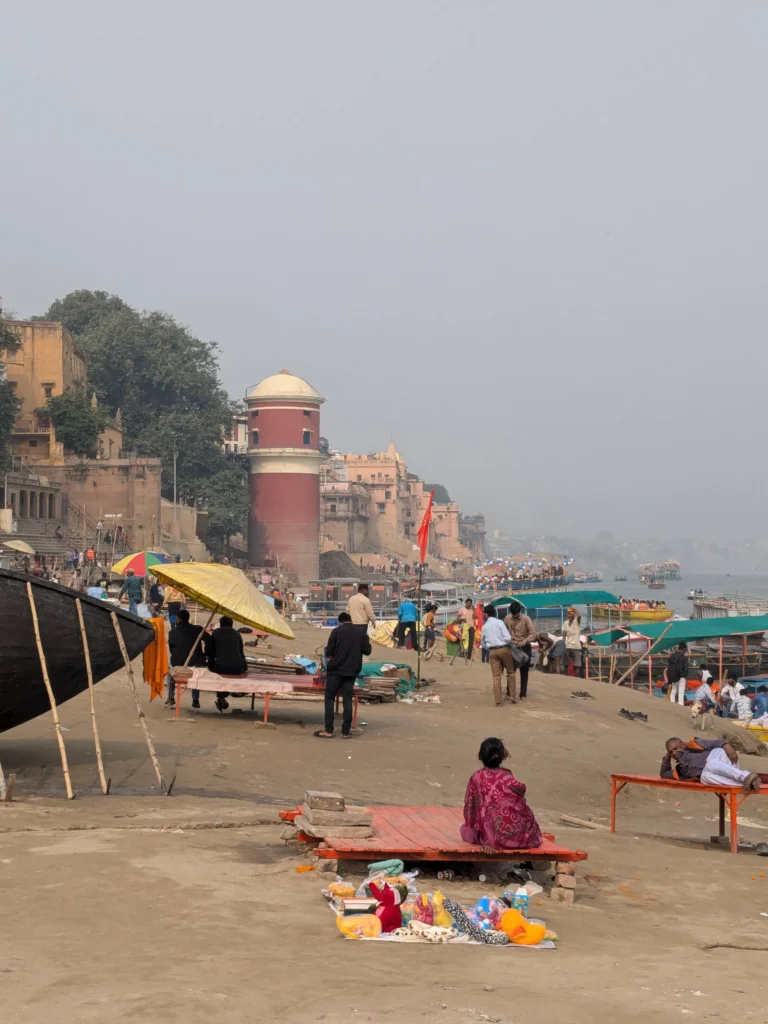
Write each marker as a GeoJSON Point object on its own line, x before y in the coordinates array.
{"type": "Point", "coordinates": [286, 386]}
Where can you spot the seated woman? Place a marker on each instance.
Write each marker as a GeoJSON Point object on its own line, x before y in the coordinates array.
{"type": "Point", "coordinates": [496, 815]}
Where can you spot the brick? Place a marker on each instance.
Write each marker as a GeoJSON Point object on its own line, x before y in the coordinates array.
{"type": "Point", "coordinates": [565, 881]}
{"type": "Point", "coordinates": [333, 831]}
{"type": "Point", "coordinates": [564, 867]}
{"type": "Point", "coordinates": [559, 895]}
{"type": "Point", "coordinates": [327, 865]}
{"type": "Point", "coordinates": [351, 815]}
{"type": "Point", "coordinates": [318, 800]}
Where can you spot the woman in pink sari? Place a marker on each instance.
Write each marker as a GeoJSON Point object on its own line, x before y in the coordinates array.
{"type": "Point", "coordinates": [496, 815]}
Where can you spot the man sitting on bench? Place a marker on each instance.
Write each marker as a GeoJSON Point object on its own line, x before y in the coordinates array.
{"type": "Point", "coordinates": [712, 762]}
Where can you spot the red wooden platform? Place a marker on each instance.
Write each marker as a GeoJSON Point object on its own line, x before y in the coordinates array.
{"type": "Point", "coordinates": [735, 796]}
{"type": "Point", "coordinates": [425, 833]}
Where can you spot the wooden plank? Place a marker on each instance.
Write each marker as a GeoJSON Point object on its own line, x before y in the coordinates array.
{"type": "Point", "coordinates": [390, 827]}
{"type": "Point", "coordinates": [441, 835]}
{"type": "Point", "coordinates": [418, 831]}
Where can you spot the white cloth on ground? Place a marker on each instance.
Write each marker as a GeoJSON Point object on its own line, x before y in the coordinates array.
{"type": "Point", "coordinates": [720, 771]}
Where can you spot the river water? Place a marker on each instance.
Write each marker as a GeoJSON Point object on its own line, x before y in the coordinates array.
{"type": "Point", "coordinates": [676, 593]}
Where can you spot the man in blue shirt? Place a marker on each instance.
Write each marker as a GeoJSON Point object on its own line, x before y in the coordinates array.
{"type": "Point", "coordinates": [495, 639]}
{"type": "Point", "coordinates": [407, 617]}
{"type": "Point", "coordinates": [760, 702]}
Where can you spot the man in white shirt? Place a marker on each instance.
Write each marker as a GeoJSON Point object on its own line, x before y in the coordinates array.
{"type": "Point", "coordinates": [730, 691]}
{"type": "Point", "coordinates": [572, 637]}
{"type": "Point", "coordinates": [495, 638]}
{"type": "Point", "coordinates": [360, 608]}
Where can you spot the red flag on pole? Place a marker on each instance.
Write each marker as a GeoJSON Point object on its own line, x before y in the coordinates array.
{"type": "Point", "coordinates": [424, 529]}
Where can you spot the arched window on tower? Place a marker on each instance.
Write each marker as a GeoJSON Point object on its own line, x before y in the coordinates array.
{"type": "Point", "coordinates": [307, 437]}
{"type": "Point", "coordinates": [254, 437]}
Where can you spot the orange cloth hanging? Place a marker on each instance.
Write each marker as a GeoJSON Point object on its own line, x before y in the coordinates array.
{"type": "Point", "coordinates": [156, 660]}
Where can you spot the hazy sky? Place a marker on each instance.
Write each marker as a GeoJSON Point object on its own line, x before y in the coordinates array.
{"type": "Point", "coordinates": [526, 240]}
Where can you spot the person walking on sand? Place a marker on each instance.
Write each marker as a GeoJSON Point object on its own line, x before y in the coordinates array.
{"type": "Point", "coordinates": [495, 639]}
{"type": "Point", "coordinates": [572, 637]}
{"type": "Point", "coordinates": [677, 674]}
{"type": "Point", "coordinates": [523, 634]}
{"type": "Point", "coordinates": [467, 615]}
{"type": "Point", "coordinates": [360, 609]}
{"type": "Point", "coordinates": [344, 651]}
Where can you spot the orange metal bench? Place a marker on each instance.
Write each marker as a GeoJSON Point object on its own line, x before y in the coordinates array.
{"type": "Point", "coordinates": [428, 834]}
{"type": "Point", "coordinates": [734, 795]}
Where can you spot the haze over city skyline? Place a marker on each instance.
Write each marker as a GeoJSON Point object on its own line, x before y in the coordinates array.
{"type": "Point", "coordinates": [525, 242]}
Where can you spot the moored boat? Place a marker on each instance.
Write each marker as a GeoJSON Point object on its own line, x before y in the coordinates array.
{"type": "Point", "coordinates": [23, 695]}
{"type": "Point", "coordinates": [615, 611]}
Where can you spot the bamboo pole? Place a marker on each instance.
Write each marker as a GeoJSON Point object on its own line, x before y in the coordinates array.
{"type": "Point", "coordinates": [721, 659]}
{"type": "Point", "coordinates": [647, 654]}
{"type": "Point", "coordinates": [200, 637]}
{"type": "Point", "coordinates": [140, 712]}
{"type": "Point", "coordinates": [96, 743]}
{"type": "Point", "coordinates": [51, 697]}
{"type": "Point", "coordinates": [744, 655]}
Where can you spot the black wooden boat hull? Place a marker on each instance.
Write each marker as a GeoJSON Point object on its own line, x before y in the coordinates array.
{"type": "Point", "coordinates": [23, 695]}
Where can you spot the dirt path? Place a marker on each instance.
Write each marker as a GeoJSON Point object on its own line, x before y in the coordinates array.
{"type": "Point", "coordinates": [137, 907]}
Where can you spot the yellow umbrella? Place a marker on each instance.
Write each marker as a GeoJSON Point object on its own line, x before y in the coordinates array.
{"type": "Point", "coordinates": [18, 545]}
{"type": "Point", "coordinates": [225, 589]}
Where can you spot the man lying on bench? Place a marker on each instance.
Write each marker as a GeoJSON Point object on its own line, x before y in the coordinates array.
{"type": "Point", "coordinates": [712, 762]}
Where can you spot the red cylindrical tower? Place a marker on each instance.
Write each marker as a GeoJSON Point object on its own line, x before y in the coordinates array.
{"type": "Point", "coordinates": [284, 450]}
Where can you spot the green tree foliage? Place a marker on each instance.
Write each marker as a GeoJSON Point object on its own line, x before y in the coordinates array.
{"type": "Point", "coordinates": [226, 499]}
{"type": "Point", "coordinates": [9, 403]}
{"type": "Point", "coordinates": [79, 310]}
{"type": "Point", "coordinates": [442, 497]}
{"type": "Point", "coordinates": [77, 423]}
{"type": "Point", "coordinates": [165, 382]}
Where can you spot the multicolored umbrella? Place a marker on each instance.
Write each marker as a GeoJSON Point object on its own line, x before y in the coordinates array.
{"type": "Point", "coordinates": [141, 562]}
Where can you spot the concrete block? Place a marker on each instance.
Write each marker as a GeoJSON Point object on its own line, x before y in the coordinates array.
{"type": "Point", "coordinates": [559, 895]}
{"type": "Point", "coordinates": [320, 801]}
{"type": "Point", "coordinates": [327, 865]}
{"type": "Point", "coordinates": [351, 815]}
{"type": "Point", "coordinates": [564, 867]}
{"type": "Point", "coordinates": [333, 831]}
{"type": "Point", "coordinates": [565, 881]}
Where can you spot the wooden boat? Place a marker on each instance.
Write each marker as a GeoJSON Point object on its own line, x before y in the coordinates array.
{"type": "Point", "coordinates": [23, 695]}
{"type": "Point", "coordinates": [632, 614]}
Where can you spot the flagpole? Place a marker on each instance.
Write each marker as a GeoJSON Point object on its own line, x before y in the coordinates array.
{"type": "Point", "coordinates": [423, 545]}
{"type": "Point", "coordinates": [418, 642]}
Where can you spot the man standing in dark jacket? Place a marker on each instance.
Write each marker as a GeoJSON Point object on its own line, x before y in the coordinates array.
{"type": "Point", "coordinates": [345, 649]}
{"type": "Point", "coordinates": [677, 674]}
{"type": "Point", "coordinates": [181, 640]}
{"type": "Point", "coordinates": [226, 655]}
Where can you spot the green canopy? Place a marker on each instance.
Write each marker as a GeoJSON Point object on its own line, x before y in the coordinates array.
{"type": "Point", "coordinates": [686, 631]}
{"type": "Point", "coordinates": [552, 599]}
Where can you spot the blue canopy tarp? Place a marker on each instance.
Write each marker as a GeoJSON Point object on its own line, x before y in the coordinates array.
{"type": "Point", "coordinates": [553, 599]}
{"type": "Point", "coordinates": [686, 631]}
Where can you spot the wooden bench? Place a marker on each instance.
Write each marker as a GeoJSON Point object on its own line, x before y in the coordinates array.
{"type": "Point", "coordinates": [293, 688]}
{"type": "Point", "coordinates": [425, 834]}
{"type": "Point", "coordinates": [733, 795]}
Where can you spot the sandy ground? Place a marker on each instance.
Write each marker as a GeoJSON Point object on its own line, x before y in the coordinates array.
{"type": "Point", "coordinates": [189, 908]}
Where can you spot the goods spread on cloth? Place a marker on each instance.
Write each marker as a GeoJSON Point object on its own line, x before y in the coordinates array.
{"type": "Point", "coordinates": [387, 906]}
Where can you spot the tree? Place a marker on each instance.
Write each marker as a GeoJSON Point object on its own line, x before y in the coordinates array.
{"type": "Point", "coordinates": [164, 380]}
{"type": "Point", "coordinates": [76, 421]}
{"type": "Point", "coordinates": [79, 310]}
{"type": "Point", "coordinates": [226, 500]}
{"type": "Point", "coordinates": [9, 403]}
{"type": "Point", "coordinates": [442, 497]}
